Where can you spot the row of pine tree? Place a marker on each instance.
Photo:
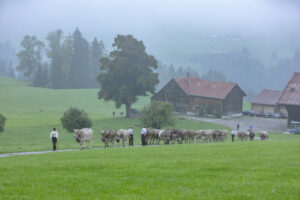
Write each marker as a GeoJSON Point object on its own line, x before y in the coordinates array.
{"type": "Point", "coordinates": [72, 62]}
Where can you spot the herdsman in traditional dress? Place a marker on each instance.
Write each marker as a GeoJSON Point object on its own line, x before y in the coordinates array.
{"type": "Point", "coordinates": [143, 135]}
{"type": "Point", "coordinates": [54, 137]}
{"type": "Point", "coordinates": [130, 131]}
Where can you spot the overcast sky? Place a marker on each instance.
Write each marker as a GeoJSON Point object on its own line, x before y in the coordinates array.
{"type": "Point", "coordinates": [152, 21]}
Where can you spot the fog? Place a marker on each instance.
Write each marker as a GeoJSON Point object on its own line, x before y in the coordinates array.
{"type": "Point", "coordinates": [175, 32]}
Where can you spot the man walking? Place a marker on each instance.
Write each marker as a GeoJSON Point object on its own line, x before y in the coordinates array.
{"type": "Point", "coordinates": [233, 133]}
{"type": "Point", "coordinates": [54, 137]}
{"type": "Point", "coordinates": [238, 127]}
{"type": "Point", "coordinates": [143, 135]}
{"type": "Point", "coordinates": [130, 131]}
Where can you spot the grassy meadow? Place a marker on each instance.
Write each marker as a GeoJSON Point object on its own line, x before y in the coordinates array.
{"type": "Point", "coordinates": [33, 112]}
{"type": "Point", "coordinates": [225, 170]}
{"type": "Point", "coordinates": [239, 170]}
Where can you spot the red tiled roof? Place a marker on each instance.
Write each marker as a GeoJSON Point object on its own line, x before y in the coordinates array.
{"type": "Point", "coordinates": [203, 88]}
{"type": "Point", "coordinates": [267, 97]}
{"type": "Point", "coordinates": [291, 92]}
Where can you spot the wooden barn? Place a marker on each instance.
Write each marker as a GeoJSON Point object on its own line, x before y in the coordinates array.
{"type": "Point", "coordinates": [290, 98]}
{"type": "Point", "coordinates": [192, 94]}
{"type": "Point", "coordinates": [266, 101]}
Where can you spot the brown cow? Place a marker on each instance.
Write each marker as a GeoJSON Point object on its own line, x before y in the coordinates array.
{"type": "Point", "coordinates": [108, 136]}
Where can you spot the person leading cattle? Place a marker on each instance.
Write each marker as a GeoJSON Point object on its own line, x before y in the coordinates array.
{"type": "Point", "coordinates": [130, 131]}
{"type": "Point", "coordinates": [143, 135]}
{"type": "Point", "coordinates": [233, 133]}
{"type": "Point", "coordinates": [54, 136]}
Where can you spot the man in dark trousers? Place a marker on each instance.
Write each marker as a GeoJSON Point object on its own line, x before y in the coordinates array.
{"type": "Point", "coordinates": [130, 131]}
{"type": "Point", "coordinates": [54, 137]}
{"type": "Point", "coordinates": [252, 135]}
{"type": "Point", "coordinates": [143, 135]}
{"type": "Point", "coordinates": [233, 133]}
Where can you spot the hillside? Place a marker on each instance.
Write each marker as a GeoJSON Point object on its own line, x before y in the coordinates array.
{"type": "Point", "coordinates": [33, 112]}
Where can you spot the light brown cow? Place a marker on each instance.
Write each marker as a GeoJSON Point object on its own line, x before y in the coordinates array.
{"type": "Point", "coordinates": [83, 136]}
{"type": "Point", "coordinates": [108, 136]}
{"type": "Point", "coordinates": [263, 135]}
{"type": "Point", "coordinates": [122, 135]}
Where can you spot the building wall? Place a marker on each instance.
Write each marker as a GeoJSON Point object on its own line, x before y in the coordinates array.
{"type": "Point", "coordinates": [282, 109]}
{"type": "Point", "coordinates": [263, 108]}
{"type": "Point", "coordinates": [204, 105]}
{"type": "Point", "coordinates": [268, 108]}
{"type": "Point", "coordinates": [293, 113]}
{"type": "Point", "coordinates": [233, 102]}
{"type": "Point", "coordinates": [257, 107]}
{"type": "Point", "coordinates": [175, 95]}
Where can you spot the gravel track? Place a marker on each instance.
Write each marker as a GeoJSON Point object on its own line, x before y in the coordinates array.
{"type": "Point", "coordinates": [258, 123]}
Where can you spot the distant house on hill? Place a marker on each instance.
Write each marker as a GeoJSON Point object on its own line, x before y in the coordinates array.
{"type": "Point", "coordinates": [266, 101]}
{"type": "Point", "coordinates": [192, 94]}
{"type": "Point", "coordinates": [290, 98]}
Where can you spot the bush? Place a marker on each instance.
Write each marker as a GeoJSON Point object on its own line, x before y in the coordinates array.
{"type": "Point", "coordinates": [218, 115]}
{"type": "Point", "coordinates": [158, 115]}
{"type": "Point", "coordinates": [75, 119]}
{"type": "Point", "coordinates": [2, 123]}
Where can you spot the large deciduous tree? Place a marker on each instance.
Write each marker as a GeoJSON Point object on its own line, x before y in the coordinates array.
{"type": "Point", "coordinates": [30, 57]}
{"type": "Point", "coordinates": [127, 72]}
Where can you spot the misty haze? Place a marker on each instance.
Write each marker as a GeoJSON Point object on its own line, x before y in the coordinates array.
{"type": "Point", "coordinates": [206, 93]}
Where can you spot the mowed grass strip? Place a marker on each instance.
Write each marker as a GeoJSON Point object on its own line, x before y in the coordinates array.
{"type": "Point", "coordinates": [240, 170]}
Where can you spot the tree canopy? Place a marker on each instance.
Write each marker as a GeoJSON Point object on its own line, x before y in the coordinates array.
{"type": "Point", "coordinates": [158, 115]}
{"type": "Point", "coordinates": [30, 57]}
{"type": "Point", "coordinates": [2, 122]}
{"type": "Point", "coordinates": [127, 72]}
{"type": "Point", "coordinates": [75, 119]}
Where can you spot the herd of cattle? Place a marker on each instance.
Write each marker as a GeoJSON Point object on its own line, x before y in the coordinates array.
{"type": "Point", "coordinates": [155, 136]}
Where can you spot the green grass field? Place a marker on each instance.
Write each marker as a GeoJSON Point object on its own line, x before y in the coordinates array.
{"type": "Point", "coordinates": [239, 170]}
{"type": "Point", "coordinates": [33, 112]}
{"type": "Point", "coordinates": [226, 170]}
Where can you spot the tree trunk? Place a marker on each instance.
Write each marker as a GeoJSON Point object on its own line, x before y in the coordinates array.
{"type": "Point", "coordinates": [128, 108]}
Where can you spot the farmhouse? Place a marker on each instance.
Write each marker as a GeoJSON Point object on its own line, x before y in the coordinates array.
{"type": "Point", "coordinates": [266, 101]}
{"type": "Point", "coordinates": [192, 94]}
{"type": "Point", "coordinates": [290, 98]}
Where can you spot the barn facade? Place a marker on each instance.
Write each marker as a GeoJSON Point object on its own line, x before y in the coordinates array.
{"type": "Point", "coordinates": [290, 98]}
{"type": "Point", "coordinates": [192, 94]}
{"type": "Point", "coordinates": [266, 101]}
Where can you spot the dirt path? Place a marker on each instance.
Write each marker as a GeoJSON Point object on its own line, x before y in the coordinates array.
{"type": "Point", "coordinates": [4, 155]}
{"type": "Point", "coordinates": [33, 152]}
{"type": "Point", "coordinates": [258, 123]}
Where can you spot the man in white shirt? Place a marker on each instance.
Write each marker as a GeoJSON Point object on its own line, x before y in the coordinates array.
{"type": "Point", "coordinates": [143, 135]}
{"type": "Point", "coordinates": [233, 133]}
{"type": "Point", "coordinates": [54, 136]}
{"type": "Point", "coordinates": [130, 131]}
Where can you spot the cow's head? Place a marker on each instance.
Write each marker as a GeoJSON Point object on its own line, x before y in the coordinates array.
{"type": "Point", "coordinates": [76, 135]}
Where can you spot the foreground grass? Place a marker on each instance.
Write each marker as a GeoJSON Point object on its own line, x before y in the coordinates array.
{"type": "Point", "coordinates": [240, 170]}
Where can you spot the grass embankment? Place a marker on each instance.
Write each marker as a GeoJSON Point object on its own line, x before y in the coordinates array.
{"type": "Point", "coordinates": [239, 170]}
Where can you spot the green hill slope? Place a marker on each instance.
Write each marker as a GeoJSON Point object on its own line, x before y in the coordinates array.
{"type": "Point", "coordinates": [33, 112]}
